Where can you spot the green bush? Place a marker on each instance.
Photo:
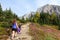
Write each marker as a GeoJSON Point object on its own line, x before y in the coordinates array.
{"type": "Point", "coordinates": [5, 25]}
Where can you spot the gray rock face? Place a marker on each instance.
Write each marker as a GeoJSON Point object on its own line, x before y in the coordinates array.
{"type": "Point", "coordinates": [50, 9]}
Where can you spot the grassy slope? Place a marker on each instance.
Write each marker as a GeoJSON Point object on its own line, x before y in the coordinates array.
{"type": "Point", "coordinates": [3, 33]}
{"type": "Point", "coordinates": [44, 33]}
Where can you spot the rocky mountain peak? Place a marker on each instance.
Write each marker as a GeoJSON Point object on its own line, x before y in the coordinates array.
{"type": "Point", "coordinates": [50, 9]}
{"type": "Point", "coordinates": [46, 9]}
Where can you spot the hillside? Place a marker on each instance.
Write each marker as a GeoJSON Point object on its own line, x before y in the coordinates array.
{"type": "Point", "coordinates": [34, 31]}
{"type": "Point", "coordinates": [48, 14]}
{"type": "Point", "coordinates": [40, 32]}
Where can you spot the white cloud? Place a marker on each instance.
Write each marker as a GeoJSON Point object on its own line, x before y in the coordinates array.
{"type": "Point", "coordinates": [55, 2]}
{"type": "Point", "coordinates": [40, 3]}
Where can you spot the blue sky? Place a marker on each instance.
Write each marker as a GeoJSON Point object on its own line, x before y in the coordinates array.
{"type": "Point", "coordinates": [21, 7]}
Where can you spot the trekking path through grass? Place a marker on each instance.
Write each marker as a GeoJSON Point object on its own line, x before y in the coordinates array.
{"type": "Point", "coordinates": [24, 35]}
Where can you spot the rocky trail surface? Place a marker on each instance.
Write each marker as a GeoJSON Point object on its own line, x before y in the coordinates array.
{"type": "Point", "coordinates": [24, 35]}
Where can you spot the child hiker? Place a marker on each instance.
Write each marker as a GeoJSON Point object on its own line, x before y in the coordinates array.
{"type": "Point", "coordinates": [19, 28]}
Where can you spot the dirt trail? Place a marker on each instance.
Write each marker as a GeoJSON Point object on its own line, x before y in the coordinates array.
{"type": "Point", "coordinates": [24, 35]}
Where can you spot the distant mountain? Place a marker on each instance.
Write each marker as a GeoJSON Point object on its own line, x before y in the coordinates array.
{"type": "Point", "coordinates": [46, 9]}
{"type": "Point", "coordinates": [50, 9]}
{"type": "Point", "coordinates": [28, 15]}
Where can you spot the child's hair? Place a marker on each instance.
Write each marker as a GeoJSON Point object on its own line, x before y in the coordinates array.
{"type": "Point", "coordinates": [14, 21]}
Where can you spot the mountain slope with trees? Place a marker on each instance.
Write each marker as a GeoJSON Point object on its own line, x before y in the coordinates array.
{"type": "Point", "coordinates": [49, 18]}
{"type": "Point", "coordinates": [7, 16]}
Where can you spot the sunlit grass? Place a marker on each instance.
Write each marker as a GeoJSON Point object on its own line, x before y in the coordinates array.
{"type": "Point", "coordinates": [3, 33]}
{"type": "Point", "coordinates": [50, 37]}
{"type": "Point", "coordinates": [51, 26]}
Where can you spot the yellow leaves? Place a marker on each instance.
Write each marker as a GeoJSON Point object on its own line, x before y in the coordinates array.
{"type": "Point", "coordinates": [36, 17]}
{"type": "Point", "coordinates": [53, 16]}
{"type": "Point", "coordinates": [37, 14]}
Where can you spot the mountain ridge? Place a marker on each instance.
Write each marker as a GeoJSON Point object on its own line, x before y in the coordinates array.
{"type": "Point", "coordinates": [50, 9]}
{"type": "Point", "coordinates": [46, 9]}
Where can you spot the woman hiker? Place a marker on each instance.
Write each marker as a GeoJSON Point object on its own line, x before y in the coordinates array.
{"type": "Point", "coordinates": [14, 28]}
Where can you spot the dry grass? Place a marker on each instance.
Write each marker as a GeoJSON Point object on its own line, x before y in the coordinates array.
{"type": "Point", "coordinates": [42, 33]}
{"type": "Point", "coordinates": [36, 33]}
